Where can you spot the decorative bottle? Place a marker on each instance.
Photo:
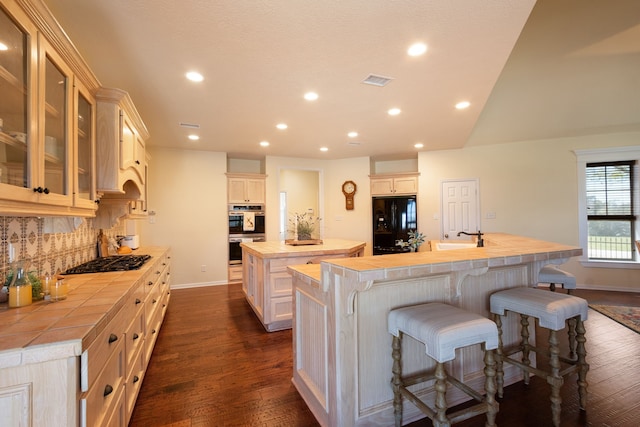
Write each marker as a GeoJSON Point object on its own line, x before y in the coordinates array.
{"type": "Point", "coordinates": [20, 287]}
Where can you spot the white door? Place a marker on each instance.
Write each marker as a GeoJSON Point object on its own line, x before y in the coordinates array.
{"type": "Point", "coordinates": [460, 208]}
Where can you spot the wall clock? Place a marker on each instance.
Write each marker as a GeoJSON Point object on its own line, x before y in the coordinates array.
{"type": "Point", "coordinates": [349, 189]}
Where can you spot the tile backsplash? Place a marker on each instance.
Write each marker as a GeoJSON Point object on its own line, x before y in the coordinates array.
{"type": "Point", "coordinates": [48, 252]}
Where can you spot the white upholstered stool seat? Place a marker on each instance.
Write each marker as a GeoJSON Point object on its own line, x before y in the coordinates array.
{"type": "Point", "coordinates": [442, 329]}
{"type": "Point", "coordinates": [553, 311]}
{"type": "Point", "coordinates": [552, 275]}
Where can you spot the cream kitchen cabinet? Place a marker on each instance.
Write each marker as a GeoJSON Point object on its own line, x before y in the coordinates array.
{"type": "Point", "coordinates": [47, 156]}
{"type": "Point", "coordinates": [394, 185]}
{"type": "Point", "coordinates": [85, 370]}
{"type": "Point", "coordinates": [245, 188]}
{"type": "Point", "coordinates": [267, 283]}
{"type": "Point", "coordinates": [121, 136]}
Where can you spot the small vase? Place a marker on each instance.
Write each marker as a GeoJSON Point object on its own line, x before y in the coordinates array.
{"type": "Point", "coordinates": [304, 236]}
{"type": "Point", "coordinates": [412, 249]}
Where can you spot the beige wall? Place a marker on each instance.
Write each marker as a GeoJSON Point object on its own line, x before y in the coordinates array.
{"type": "Point", "coordinates": [530, 186]}
{"type": "Point", "coordinates": [188, 193]}
{"type": "Point", "coordinates": [532, 189]}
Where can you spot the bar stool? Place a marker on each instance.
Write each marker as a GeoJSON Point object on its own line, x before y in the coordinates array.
{"type": "Point", "coordinates": [442, 329]}
{"type": "Point", "coordinates": [552, 311]}
{"type": "Point", "coordinates": [552, 275]}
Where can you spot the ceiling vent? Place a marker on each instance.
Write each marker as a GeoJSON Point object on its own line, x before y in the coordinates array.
{"type": "Point", "coordinates": [375, 80]}
{"type": "Point", "coordinates": [190, 125]}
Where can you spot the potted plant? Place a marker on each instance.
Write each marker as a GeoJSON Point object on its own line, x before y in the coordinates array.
{"type": "Point", "coordinates": [413, 242]}
{"type": "Point", "coordinates": [304, 225]}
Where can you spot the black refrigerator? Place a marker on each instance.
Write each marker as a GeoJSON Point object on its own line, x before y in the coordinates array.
{"type": "Point", "coordinates": [393, 218]}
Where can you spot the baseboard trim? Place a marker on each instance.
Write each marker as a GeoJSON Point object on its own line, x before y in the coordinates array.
{"type": "Point", "coordinates": [197, 285]}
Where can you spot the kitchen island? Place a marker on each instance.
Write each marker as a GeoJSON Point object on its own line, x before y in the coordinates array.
{"type": "Point", "coordinates": [341, 344]}
{"type": "Point", "coordinates": [266, 282]}
{"type": "Point", "coordinates": [81, 360]}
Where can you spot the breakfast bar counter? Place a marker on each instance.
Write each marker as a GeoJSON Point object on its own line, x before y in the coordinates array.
{"type": "Point", "coordinates": [341, 345]}
{"type": "Point", "coordinates": [266, 282]}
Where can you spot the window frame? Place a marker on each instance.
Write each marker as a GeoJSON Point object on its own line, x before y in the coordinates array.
{"type": "Point", "coordinates": [585, 157]}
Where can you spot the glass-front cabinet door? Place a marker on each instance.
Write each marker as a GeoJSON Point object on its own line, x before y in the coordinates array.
{"type": "Point", "coordinates": [17, 83]}
{"type": "Point", "coordinates": [85, 111]}
{"type": "Point", "coordinates": [55, 106]}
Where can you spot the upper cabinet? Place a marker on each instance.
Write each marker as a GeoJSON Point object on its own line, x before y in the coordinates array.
{"type": "Point", "coordinates": [121, 143]}
{"type": "Point", "coordinates": [394, 184]}
{"type": "Point", "coordinates": [47, 117]}
{"type": "Point", "coordinates": [245, 188]}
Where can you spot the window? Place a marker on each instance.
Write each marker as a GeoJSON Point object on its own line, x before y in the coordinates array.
{"type": "Point", "coordinates": [608, 195]}
{"type": "Point", "coordinates": [610, 213]}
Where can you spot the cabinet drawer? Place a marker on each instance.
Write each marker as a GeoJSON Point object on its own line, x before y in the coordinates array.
{"type": "Point", "coordinates": [280, 284]}
{"type": "Point", "coordinates": [134, 337]}
{"type": "Point", "coordinates": [96, 404]}
{"type": "Point", "coordinates": [104, 346]}
{"type": "Point", "coordinates": [281, 308]}
{"type": "Point", "coordinates": [135, 374]}
{"type": "Point", "coordinates": [151, 305]}
{"type": "Point", "coordinates": [153, 329]}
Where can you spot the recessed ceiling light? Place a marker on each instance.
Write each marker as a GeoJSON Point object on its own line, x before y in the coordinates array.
{"type": "Point", "coordinates": [394, 111]}
{"type": "Point", "coordinates": [417, 49]}
{"type": "Point", "coordinates": [310, 96]}
{"type": "Point", "coordinates": [264, 143]}
{"type": "Point", "coordinates": [462, 105]}
{"type": "Point", "coordinates": [4, 46]}
{"type": "Point", "coordinates": [324, 149]}
{"type": "Point", "coordinates": [194, 137]}
{"type": "Point", "coordinates": [194, 76]}
{"type": "Point", "coordinates": [352, 134]}
{"type": "Point", "coordinates": [282, 126]}
{"type": "Point", "coordinates": [418, 145]}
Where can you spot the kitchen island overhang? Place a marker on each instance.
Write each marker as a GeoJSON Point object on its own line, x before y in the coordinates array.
{"type": "Point", "coordinates": [341, 347]}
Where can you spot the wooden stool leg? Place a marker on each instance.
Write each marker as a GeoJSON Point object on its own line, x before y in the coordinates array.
{"type": "Point", "coordinates": [583, 367]}
{"type": "Point", "coordinates": [440, 420]}
{"type": "Point", "coordinates": [552, 287]}
{"type": "Point", "coordinates": [396, 381]}
{"type": "Point", "coordinates": [499, 362]}
{"type": "Point", "coordinates": [524, 333]}
{"type": "Point", "coordinates": [554, 379]}
{"type": "Point", "coordinates": [490, 387]}
{"type": "Point", "coordinates": [572, 338]}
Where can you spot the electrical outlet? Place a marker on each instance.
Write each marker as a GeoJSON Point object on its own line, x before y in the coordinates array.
{"type": "Point", "coordinates": [203, 268]}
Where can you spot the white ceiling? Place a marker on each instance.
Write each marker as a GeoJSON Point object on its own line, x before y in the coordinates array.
{"type": "Point", "coordinates": [574, 70]}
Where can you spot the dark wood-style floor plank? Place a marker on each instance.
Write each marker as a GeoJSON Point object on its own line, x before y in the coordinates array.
{"type": "Point", "coordinates": [214, 365]}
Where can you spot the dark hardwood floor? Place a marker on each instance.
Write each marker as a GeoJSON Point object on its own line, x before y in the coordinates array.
{"type": "Point", "coordinates": [214, 365]}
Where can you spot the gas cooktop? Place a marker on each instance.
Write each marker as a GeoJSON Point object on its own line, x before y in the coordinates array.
{"type": "Point", "coordinates": [110, 263]}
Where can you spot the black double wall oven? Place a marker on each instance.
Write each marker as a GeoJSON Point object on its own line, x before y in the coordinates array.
{"type": "Point", "coordinates": [246, 224]}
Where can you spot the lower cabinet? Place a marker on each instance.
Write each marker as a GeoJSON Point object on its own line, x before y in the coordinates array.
{"type": "Point", "coordinates": [66, 383]}
{"type": "Point", "coordinates": [267, 285]}
{"type": "Point", "coordinates": [127, 343]}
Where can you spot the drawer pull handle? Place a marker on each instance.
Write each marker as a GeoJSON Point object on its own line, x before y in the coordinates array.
{"type": "Point", "coordinates": [158, 272]}
{"type": "Point", "coordinates": [153, 332]}
{"type": "Point", "coordinates": [135, 379]}
{"type": "Point", "coordinates": [138, 301]}
{"type": "Point", "coordinates": [155, 301]}
{"type": "Point", "coordinates": [108, 390]}
{"type": "Point", "coordinates": [113, 338]}
{"type": "Point", "coordinates": [150, 283]}
{"type": "Point", "coordinates": [135, 336]}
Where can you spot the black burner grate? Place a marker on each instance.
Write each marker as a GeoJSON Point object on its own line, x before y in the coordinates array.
{"type": "Point", "coordinates": [110, 263]}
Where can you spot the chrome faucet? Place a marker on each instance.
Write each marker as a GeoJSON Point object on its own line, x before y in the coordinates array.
{"type": "Point", "coordinates": [478, 235]}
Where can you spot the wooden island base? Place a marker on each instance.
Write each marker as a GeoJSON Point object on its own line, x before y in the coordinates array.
{"type": "Point", "coordinates": [266, 282]}
{"type": "Point", "coordinates": [342, 348]}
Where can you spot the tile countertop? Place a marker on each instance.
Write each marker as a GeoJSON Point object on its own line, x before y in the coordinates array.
{"type": "Point", "coordinates": [67, 327]}
{"type": "Point", "coordinates": [278, 249]}
{"type": "Point", "coordinates": [500, 249]}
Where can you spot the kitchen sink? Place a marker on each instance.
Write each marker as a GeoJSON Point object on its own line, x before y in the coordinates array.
{"type": "Point", "coordinates": [437, 245]}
